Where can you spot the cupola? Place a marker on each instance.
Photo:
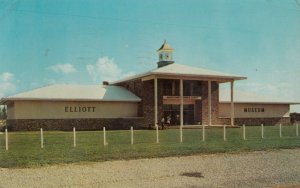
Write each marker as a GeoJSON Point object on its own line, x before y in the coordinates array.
{"type": "Point", "coordinates": [165, 55]}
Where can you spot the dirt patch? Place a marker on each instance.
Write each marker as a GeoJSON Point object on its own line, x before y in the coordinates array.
{"type": "Point", "coordinates": [192, 174]}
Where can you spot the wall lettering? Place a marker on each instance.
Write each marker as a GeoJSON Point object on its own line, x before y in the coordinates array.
{"type": "Point", "coordinates": [80, 109]}
{"type": "Point", "coordinates": [254, 110]}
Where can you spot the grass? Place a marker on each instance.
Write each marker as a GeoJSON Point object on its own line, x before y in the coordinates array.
{"type": "Point", "coordinates": [24, 147]}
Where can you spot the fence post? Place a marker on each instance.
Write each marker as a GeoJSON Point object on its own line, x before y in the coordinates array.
{"type": "Point", "coordinates": [180, 134]}
{"type": "Point", "coordinates": [224, 132]}
{"type": "Point", "coordinates": [244, 132]}
{"type": "Point", "coordinates": [262, 130]}
{"type": "Point", "coordinates": [131, 130]}
{"type": "Point", "coordinates": [6, 139]}
{"type": "Point", "coordinates": [42, 138]}
{"type": "Point", "coordinates": [297, 132]}
{"type": "Point", "coordinates": [280, 135]}
{"type": "Point", "coordinates": [203, 133]}
{"type": "Point", "coordinates": [104, 137]}
{"type": "Point", "coordinates": [74, 137]}
{"type": "Point", "coordinates": [157, 139]}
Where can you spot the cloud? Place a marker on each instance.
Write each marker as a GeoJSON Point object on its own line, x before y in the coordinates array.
{"type": "Point", "coordinates": [7, 85]}
{"type": "Point", "coordinates": [106, 69]}
{"type": "Point", "coordinates": [6, 77]}
{"type": "Point", "coordinates": [280, 91]}
{"type": "Point", "coordinates": [62, 68]}
{"type": "Point", "coordinates": [245, 96]}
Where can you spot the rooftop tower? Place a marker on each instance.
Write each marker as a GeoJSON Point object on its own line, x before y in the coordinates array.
{"type": "Point", "coordinates": [165, 56]}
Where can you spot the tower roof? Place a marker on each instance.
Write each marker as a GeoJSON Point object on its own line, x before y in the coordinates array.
{"type": "Point", "coordinates": [165, 47]}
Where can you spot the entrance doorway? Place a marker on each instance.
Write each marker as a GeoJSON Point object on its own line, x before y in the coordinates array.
{"type": "Point", "coordinates": [173, 110]}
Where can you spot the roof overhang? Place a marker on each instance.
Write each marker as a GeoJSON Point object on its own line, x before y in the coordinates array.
{"type": "Point", "coordinates": [5, 101]}
{"type": "Point", "coordinates": [151, 76]}
{"type": "Point", "coordinates": [178, 71]}
{"type": "Point", "coordinates": [196, 77]}
{"type": "Point", "coordinates": [261, 102]}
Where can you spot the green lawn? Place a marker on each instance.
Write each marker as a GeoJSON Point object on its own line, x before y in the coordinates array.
{"type": "Point", "coordinates": [24, 147]}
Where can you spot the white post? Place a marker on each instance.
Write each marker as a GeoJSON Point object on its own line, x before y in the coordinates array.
{"type": "Point", "coordinates": [262, 130]}
{"type": "Point", "coordinates": [104, 137]}
{"type": "Point", "coordinates": [244, 132]}
{"type": "Point", "coordinates": [297, 133]}
{"type": "Point", "coordinates": [131, 130]}
{"type": "Point", "coordinates": [203, 133]}
{"type": "Point", "coordinates": [224, 132]}
{"type": "Point", "coordinates": [280, 130]}
{"type": "Point", "coordinates": [42, 138]}
{"type": "Point", "coordinates": [181, 102]}
{"type": "Point", "coordinates": [157, 139]}
{"type": "Point", "coordinates": [6, 139]}
{"type": "Point", "coordinates": [231, 104]}
{"type": "Point", "coordinates": [209, 103]}
{"type": "Point", "coordinates": [181, 134]}
{"type": "Point", "coordinates": [155, 102]}
{"type": "Point", "coordinates": [74, 137]}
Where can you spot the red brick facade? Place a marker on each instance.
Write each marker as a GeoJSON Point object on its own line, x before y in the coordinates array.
{"type": "Point", "coordinates": [145, 90]}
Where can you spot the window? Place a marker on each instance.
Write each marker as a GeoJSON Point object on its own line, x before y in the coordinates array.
{"type": "Point", "coordinates": [186, 88]}
{"type": "Point", "coordinates": [167, 88]}
{"type": "Point", "coordinates": [191, 88]}
{"type": "Point", "coordinates": [170, 87]}
{"type": "Point", "coordinates": [160, 56]}
{"type": "Point", "coordinates": [197, 89]}
{"type": "Point", "coordinates": [188, 107]}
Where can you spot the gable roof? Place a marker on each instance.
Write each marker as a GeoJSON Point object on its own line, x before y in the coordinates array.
{"type": "Point", "coordinates": [176, 69]}
{"type": "Point", "coordinates": [69, 92]}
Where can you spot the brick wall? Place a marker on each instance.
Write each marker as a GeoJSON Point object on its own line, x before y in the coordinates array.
{"type": "Point", "coordinates": [136, 87]}
{"type": "Point", "coordinates": [214, 102]}
{"type": "Point", "coordinates": [148, 101]}
{"type": "Point", "coordinates": [144, 90]}
{"type": "Point", "coordinates": [80, 124]}
{"type": "Point", "coordinates": [256, 121]}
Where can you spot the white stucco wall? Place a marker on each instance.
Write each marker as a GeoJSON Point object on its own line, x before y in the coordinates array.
{"type": "Point", "coordinates": [270, 110]}
{"type": "Point", "coordinates": [69, 110]}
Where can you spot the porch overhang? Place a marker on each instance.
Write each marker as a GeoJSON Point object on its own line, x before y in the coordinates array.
{"type": "Point", "coordinates": [218, 79]}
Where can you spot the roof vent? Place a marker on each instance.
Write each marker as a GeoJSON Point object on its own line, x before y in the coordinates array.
{"type": "Point", "coordinates": [105, 83]}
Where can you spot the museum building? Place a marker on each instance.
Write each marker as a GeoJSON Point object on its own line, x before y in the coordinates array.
{"type": "Point", "coordinates": [184, 94]}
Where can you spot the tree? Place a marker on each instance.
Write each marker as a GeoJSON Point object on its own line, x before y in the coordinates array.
{"type": "Point", "coordinates": [3, 113]}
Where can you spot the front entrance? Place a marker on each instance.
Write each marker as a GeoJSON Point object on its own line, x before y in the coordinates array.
{"type": "Point", "coordinates": [173, 111]}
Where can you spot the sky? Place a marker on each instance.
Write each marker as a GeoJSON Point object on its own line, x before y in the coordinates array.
{"type": "Point", "coordinates": [46, 42]}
